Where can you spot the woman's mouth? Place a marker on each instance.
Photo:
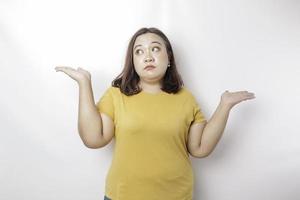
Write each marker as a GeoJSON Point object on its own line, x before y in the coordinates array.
{"type": "Point", "coordinates": [149, 67]}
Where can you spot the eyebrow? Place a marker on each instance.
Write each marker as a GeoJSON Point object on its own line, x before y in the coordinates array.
{"type": "Point", "coordinates": [151, 43]}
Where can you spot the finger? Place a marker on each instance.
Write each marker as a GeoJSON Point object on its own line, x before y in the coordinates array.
{"type": "Point", "coordinates": [250, 94]}
{"type": "Point", "coordinates": [64, 68]}
{"type": "Point", "coordinates": [243, 92]}
{"type": "Point", "coordinates": [59, 68]}
{"type": "Point", "coordinates": [67, 70]}
{"type": "Point", "coordinates": [81, 69]}
{"type": "Point", "coordinates": [250, 97]}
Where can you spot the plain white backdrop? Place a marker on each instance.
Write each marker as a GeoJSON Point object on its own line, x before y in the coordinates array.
{"type": "Point", "coordinates": [219, 45]}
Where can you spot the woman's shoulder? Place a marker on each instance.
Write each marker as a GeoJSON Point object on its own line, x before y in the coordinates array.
{"type": "Point", "coordinates": [113, 89]}
{"type": "Point", "coordinates": [185, 91]}
{"type": "Point", "coordinates": [188, 94]}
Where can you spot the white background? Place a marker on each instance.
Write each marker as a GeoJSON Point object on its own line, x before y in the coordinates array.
{"type": "Point", "coordinates": [219, 45]}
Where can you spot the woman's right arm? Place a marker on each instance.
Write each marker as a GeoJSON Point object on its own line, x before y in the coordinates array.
{"type": "Point", "coordinates": [95, 129]}
{"type": "Point", "coordinates": [89, 119]}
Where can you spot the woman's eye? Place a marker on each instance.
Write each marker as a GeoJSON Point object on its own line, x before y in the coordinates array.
{"type": "Point", "coordinates": [139, 51]}
{"type": "Point", "coordinates": [155, 49]}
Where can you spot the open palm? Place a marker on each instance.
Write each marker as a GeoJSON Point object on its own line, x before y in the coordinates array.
{"type": "Point", "coordinates": [232, 98]}
{"type": "Point", "coordinates": [78, 75]}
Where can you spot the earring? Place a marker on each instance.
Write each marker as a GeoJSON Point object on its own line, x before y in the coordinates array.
{"type": "Point", "coordinates": [169, 65]}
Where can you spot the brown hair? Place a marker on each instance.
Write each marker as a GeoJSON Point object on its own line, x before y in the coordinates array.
{"type": "Point", "coordinates": [128, 79]}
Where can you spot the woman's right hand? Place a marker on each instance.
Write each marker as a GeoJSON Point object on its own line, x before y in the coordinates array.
{"type": "Point", "coordinates": [80, 75]}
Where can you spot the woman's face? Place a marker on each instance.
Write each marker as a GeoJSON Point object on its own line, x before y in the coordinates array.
{"type": "Point", "coordinates": [149, 50]}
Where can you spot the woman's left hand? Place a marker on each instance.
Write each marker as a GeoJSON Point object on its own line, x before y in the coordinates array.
{"type": "Point", "coordinates": [232, 98]}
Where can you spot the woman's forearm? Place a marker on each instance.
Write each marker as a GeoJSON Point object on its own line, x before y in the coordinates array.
{"type": "Point", "coordinates": [89, 119]}
{"type": "Point", "coordinates": [214, 128]}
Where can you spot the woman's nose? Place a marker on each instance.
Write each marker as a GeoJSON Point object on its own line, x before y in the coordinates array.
{"type": "Point", "coordinates": [149, 59]}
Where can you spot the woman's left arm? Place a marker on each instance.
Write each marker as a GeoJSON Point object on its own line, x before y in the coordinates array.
{"type": "Point", "coordinates": [214, 128]}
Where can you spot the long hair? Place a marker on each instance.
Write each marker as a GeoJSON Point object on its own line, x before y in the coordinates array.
{"type": "Point", "coordinates": [128, 79]}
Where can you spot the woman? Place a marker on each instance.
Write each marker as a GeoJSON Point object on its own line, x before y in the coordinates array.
{"type": "Point", "coordinates": [155, 120]}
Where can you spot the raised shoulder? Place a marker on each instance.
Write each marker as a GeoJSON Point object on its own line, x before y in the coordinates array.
{"type": "Point", "coordinates": [187, 91]}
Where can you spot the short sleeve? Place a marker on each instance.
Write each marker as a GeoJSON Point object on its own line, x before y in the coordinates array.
{"type": "Point", "coordinates": [198, 116]}
{"type": "Point", "coordinates": [105, 103]}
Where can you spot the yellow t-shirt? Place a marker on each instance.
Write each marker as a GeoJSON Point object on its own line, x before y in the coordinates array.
{"type": "Point", "coordinates": [150, 160]}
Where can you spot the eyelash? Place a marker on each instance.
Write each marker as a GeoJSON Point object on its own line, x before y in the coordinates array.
{"type": "Point", "coordinates": [136, 52]}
